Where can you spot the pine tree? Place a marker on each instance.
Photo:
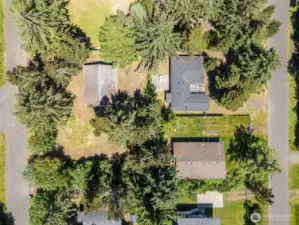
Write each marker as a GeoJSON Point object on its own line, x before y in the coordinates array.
{"type": "Point", "coordinates": [40, 23]}
{"type": "Point", "coordinates": [117, 42]}
{"type": "Point", "coordinates": [155, 38]}
{"type": "Point", "coordinates": [51, 208]}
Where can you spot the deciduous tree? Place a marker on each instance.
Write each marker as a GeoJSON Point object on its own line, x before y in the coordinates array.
{"type": "Point", "coordinates": [47, 173]}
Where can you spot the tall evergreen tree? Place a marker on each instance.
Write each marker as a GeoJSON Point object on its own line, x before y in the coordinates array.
{"type": "Point", "coordinates": [247, 70]}
{"type": "Point", "coordinates": [40, 22]}
{"type": "Point", "coordinates": [51, 208]}
{"type": "Point", "coordinates": [117, 41]}
{"type": "Point", "coordinates": [155, 37]}
{"type": "Point", "coordinates": [239, 21]}
{"type": "Point", "coordinates": [131, 120]}
{"type": "Point", "coordinates": [42, 104]}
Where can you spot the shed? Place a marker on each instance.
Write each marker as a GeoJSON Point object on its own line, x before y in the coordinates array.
{"type": "Point", "coordinates": [187, 86]}
{"type": "Point", "coordinates": [198, 221]}
{"type": "Point", "coordinates": [96, 218]}
{"type": "Point", "coordinates": [99, 81]}
{"type": "Point", "coordinates": [200, 160]}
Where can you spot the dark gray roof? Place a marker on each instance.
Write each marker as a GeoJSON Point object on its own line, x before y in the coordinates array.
{"type": "Point", "coordinates": [99, 80]}
{"type": "Point", "coordinates": [198, 221]}
{"type": "Point", "coordinates": [186, 71]}
{"type": "Point", "coordinates": [97, 218]}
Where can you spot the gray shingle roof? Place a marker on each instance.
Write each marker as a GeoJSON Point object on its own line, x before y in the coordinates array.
{"type": "Point", "coordinates": [186, 71]}
{"type": "Point", "coordinates": [200, 160]}
{"type": "Point", "coordinates": [198, 221]}
{"type": "Point", "coordinates": [99, 80]}
{"type": "Point", "coordinates": [97, 218]}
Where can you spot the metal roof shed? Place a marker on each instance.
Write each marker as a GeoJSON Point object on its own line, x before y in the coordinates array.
{"type": "Point", "coordinates": [99, 80]}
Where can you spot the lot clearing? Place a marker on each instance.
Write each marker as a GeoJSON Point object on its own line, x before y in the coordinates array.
{"type": "Point", "coordinates": [90, 15]}
{"type": "Point", "coordinates": [77, 136]}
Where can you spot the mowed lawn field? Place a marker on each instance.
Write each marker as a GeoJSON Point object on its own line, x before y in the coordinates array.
{"type": "Point", "coordinates": [90, 15]}
{"type": "Point", "coordinates": [294, 209]}
{"type": "Point", "coordinates": [294, 177]}
{"type": "Point", "coordinates": [195, 126]}
{"type": "Point", "coordinates": [2, 46]}
{"type": "Point", "coordinates": [2, 168]}
{"type": "Point", "coordinates": [233, 213]}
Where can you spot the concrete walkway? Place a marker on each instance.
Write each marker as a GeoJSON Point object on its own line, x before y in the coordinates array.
{"type": "Point", "coordinates": [278, 118]}
{"type": "Point", "coordinates": [294, 157]}
{"type": "Point", "coordinates": [16, 155]}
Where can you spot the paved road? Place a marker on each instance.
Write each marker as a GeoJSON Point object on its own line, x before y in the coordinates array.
{"type": "Point", "coordinates": [16, 155]}
{"type": "Point", "coordinates": [278, 118]}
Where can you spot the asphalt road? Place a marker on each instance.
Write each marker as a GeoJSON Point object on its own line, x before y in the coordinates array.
{"type": "Point", "coordinates": [16, 155]}
{"type": "Point", "coordinates": [278, 118]}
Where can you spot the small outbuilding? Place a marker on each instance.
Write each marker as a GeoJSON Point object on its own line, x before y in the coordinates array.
{"type": "Point", "coordinates": [198, 221]}
{"type": "Point", "coordinates": [187, 84]}
{"type": "Point", "coordinates": [96, 218]}
{"type": "Point", "coordinates": [99, 81]}
{"type": "Point", "coordinates": [200, 160]}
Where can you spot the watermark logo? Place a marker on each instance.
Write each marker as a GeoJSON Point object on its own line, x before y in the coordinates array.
{"type": "Point", "coordinates": [255, 217]}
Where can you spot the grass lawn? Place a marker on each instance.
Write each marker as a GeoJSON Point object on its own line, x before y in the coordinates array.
{"type": "Point", "coordinates": [2, 46]}
{"type": "Point", "coordinates": [2, 168]}
{"type": "Point", "coordinates": [292, 87]}
{"type": "Point", "coordinates": [294, 209]}
{"type": "Point", "coordinates": [233, 213]}
{"type": "Point", "coordinates": [294, 177]}
{"type": "Point", "coordinates": [211, 126]}
{"type": "Point", "coordinates": [89, 15]}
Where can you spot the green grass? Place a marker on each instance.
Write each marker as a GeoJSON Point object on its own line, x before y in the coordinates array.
{"type": "Point", "coordinates": [294, 210]}
{"type": "Point", "coordinates": [90, 16]}
{"type": "Point", "coordinates": [294, 176]}
{"type": "Point", "coordinates": [233, 213]}
{"type": "Point", "coordinates": [2, 168]}
{"type": "Point", "coordinates": [2, 46]}
{"type": "Point", "coordinates": [291, 87]}
{"type": "Point", "coordinates": [211, 126]}
{"type": "Point", "coordinates": [292, 114]}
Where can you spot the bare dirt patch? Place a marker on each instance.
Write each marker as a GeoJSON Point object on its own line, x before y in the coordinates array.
{"type": "Point", "coordinates": [257, 106]}
{"type": "Point", "coordinates": [131, 79]}
{"type": "Point", "coordinates": [77, 136]}
{"type": "Point", "coordinates": [122, 5]}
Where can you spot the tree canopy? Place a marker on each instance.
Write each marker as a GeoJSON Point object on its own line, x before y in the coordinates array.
{"type": "Point", "coordinates": [45, 28]}
{"type": "Point", "coordinates": [47, 173]}
{"type": "Point", "coordinates": [6, 218]}
{"type": "Point", "coordinates": [132, 120]}
{"type": "Point", "coordinates": [255, 162]}
{"type": "Point", "coordinates": [239, 21]}
{"type": "Point", "coordinates": [117, 42]}
{"type": "Point", "coordinates": [247, 70]}
{"type": "Point", "coordinates": [42, 104]}
{"type": "Point", "coordinates": [51, 208]}
{"type": "Point", "coordinates": [155, 37]}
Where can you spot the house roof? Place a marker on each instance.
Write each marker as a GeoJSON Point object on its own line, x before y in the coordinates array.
{"type": "Point", "coordinates": [187, 73]}
{"type": "Point", "coordinates": [97, 218]}
{"type": "Point", "coordinates": [99, 80]}
{"type": "Point", "coordinates": [200, 160]}
{"type": "Point", "coordinates": [198, 221]}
